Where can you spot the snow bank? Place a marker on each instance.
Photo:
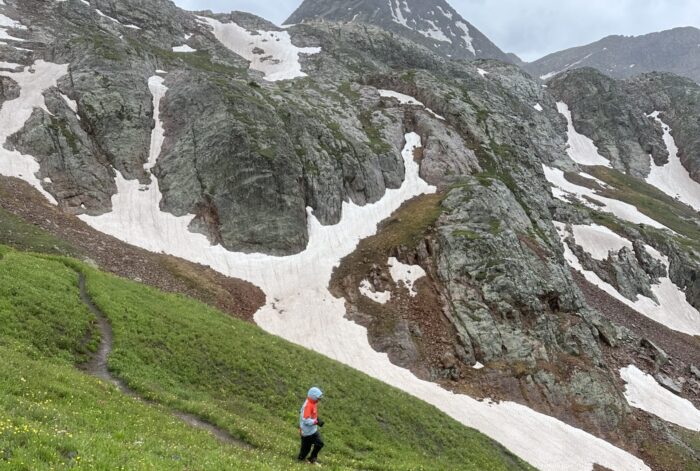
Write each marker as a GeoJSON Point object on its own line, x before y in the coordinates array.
{"type": "Point", "coordinates": [563, 188]}
{"type": "Point", "coordinates": [581, 149]}
{"type": "Point", "coordinates": [270, 52]}
{"type": "Point", "coordinates": [672, 308]}
{"type": "Point", "coordinates": [407, 100]}
{"type": "Point", "coordinates": [15, 113]}
{"type": "Point", "coordinates": [406, 274]}
{"type": "Point", "coordinates": [381, 297]}
{"type": "Point", "coordinates": [673, 178]}
{"type": "Point", "coordinates": [643, 392]}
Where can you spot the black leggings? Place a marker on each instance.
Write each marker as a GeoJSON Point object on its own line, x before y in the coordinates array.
{"type": "Point", "coordinates": [314, 440]}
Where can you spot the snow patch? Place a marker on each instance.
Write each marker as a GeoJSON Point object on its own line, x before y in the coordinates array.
{"type": "Point", "coordinates": [643, 392]}
{"type": "Point", "coordinates": [478, 366]}
{"type": "Point", "coordinates": [15, 113]}
{"type": "Point", "coordinates": [381, 297]}
{"type": "Point", "coordinates": [581, 149]}
{"type": "Point", "coordinates": [673, 178]}
{"type": "Point", "coordinates": [10, 65]}
{"type": "Point", "coordinates": [538, 107]}
{"type": "Point", "coordinates": [72, 104]}
{"type": "Point", "coordinates": [6, 23]}
{"type": "Point", "coordinates": [397, 13]}
{"type": "Point", "coordinates": [406, 274]}
{"type": "Point", "coordinates": [434, 33]}
{"type": "Point", "coordinates": [407, 100]}
{"type": "Point", "coordinates": [599, 241]}
{"type": "Point", "coordinates": [466, 36]}
{"type": "Point", "coordinates": [270, 52]}
{"type": "Point", "coordinates": [184, 48]}
{"type": "Point", "coordinates": [563, 189]}
{"type": "Point", "coordinates": [482, 72]}
{"type": "Point", "coordinates": [672, 308]}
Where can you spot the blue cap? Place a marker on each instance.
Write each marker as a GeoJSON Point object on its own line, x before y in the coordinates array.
{"type": "Point", "coordinates": [315, 393]}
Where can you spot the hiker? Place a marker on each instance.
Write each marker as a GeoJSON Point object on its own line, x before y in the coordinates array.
{"type": "Point", "coordinates": [308, 426]}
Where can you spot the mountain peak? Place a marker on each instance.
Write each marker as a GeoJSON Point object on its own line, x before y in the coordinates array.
{"type": "Point", "coordinates": [433, 23]}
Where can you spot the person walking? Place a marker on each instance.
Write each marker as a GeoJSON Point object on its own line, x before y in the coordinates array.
{"type": "Point", "coordinates": [308, 426]}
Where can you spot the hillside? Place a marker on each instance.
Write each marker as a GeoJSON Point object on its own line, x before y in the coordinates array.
{"type": "Point", "coordinates": [184, 356]}
{"type": "Point", "coordinates": [674, 51]}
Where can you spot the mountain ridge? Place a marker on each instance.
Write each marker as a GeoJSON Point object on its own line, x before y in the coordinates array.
{"type": "Point", "coordinates": [675, 50]}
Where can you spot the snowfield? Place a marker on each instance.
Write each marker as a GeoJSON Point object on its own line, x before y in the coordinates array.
{"type": "Point", "coordinates": [270, 52]}
{"type": "Point", "coordinates": [672, 308]}
{"type": "Point", "coordinates": [581, 149]}
{"type": "Point", "coordinates": [299, 306]}
{"type": "Point", "coordinates": [643, 392]}
{"type": "Point", "coordinates": [673, 178]}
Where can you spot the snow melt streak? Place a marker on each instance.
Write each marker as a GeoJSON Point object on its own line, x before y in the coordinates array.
{"type": "Point", "coordinates": [643, 392]}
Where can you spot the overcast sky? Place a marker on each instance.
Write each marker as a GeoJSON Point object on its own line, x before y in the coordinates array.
{"type": "Point", "coordinates": [530, 28]}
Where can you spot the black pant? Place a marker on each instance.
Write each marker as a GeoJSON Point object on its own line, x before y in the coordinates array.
{"type": "Point", "coordinates": [314, 440]}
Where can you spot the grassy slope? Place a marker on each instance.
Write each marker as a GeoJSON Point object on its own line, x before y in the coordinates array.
{"type": "Point", "coordinates": [186, 355]}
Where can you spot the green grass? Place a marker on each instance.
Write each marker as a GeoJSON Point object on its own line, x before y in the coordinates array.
{"type": "Point", "coordinates": [187, 356]}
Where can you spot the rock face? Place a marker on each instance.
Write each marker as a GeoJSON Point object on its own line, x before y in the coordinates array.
{"type": "Point", "coordinates": [433, 23]}
{"type": "Point", "coordinates": [672, 51]}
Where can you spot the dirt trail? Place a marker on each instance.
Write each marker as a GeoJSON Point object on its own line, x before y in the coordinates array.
{"type": "Point", "coordinates": [97, 366]}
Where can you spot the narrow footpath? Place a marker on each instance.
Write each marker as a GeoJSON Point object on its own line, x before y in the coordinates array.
{"type": "Point", "coordinates": [97, 366]}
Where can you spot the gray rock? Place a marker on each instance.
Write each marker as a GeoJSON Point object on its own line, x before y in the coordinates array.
{"type": "Point", "coordinates": [668, 383]}
{"type": "Point", "coordinates": [9, 90]}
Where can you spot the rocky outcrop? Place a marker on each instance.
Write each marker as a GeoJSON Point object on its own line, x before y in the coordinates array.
{"type": "Point", "coordinates": [614, 117]}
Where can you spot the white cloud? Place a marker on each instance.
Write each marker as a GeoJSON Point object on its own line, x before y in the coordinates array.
{"type": "Point", "coordinates": [529, 28]}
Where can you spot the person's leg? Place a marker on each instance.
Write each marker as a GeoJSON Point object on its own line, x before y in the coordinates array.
{"type": "Point", "coordinates": [318, 444]}
{"type": "Point", "coordinates": [306, 443]}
